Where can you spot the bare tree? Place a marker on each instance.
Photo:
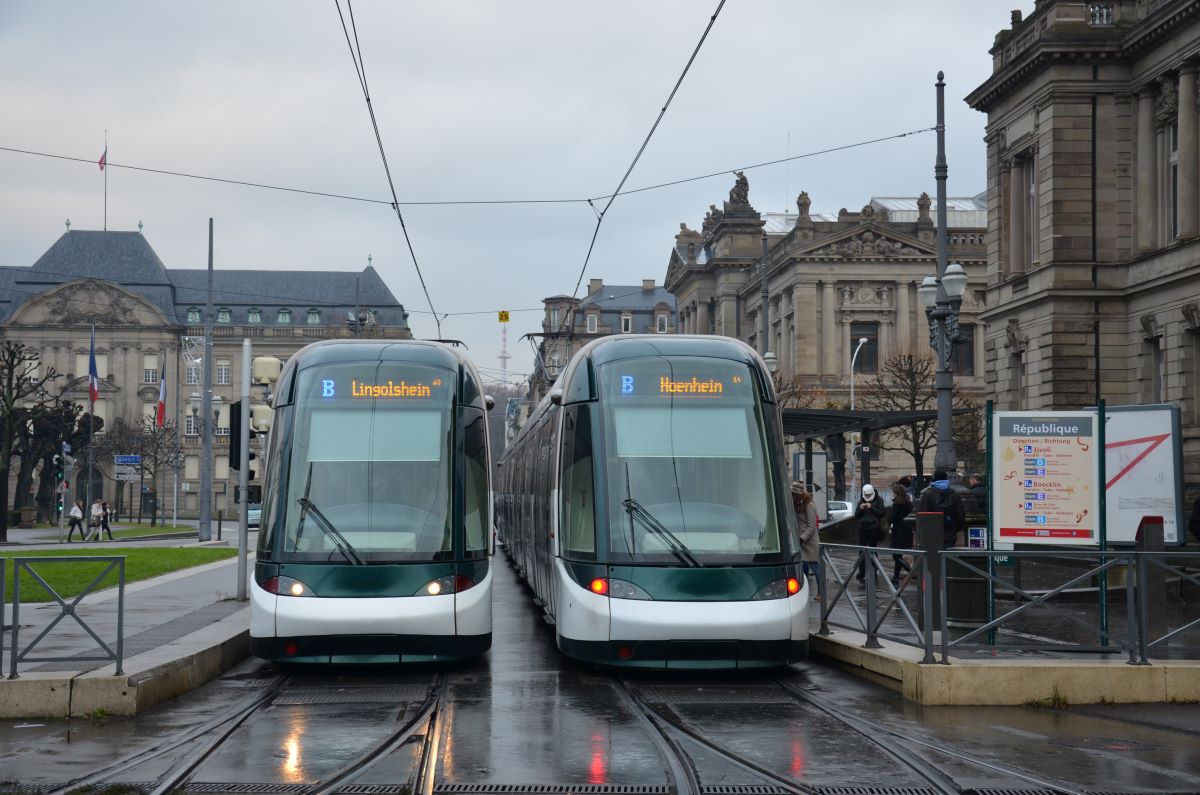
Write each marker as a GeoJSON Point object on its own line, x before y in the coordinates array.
{"type": "Point", "coordinates": [120, 438]}
{"type": "Point", "coordinates": [21, 380]}
{"type": "Point", "coordinates": [161, 450]}
{"type": "Point", "coordinates": [904, 382]}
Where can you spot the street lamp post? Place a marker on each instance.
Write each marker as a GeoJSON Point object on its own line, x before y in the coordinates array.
{"type": "Point", "coordinates": [854, 449]}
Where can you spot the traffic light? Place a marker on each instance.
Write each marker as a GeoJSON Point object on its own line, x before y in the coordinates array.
{"type": "Point", "coordinates": [58, 469]}
{"type": "Point", "coordinates": [235, 438]}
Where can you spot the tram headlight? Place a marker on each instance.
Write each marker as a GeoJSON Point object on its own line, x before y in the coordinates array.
{"type": "Point", "coordinates": [617, 589]}
{"type": "Point", "coordinates": [286, 586]}
{"type": "Point", "coordinates": [779, 589]}
{"type": "Point", "coordinates": [451, 583]}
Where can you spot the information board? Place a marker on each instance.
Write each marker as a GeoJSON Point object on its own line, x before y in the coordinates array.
{"type": "Point", "coordinates": [129, 473]}
{"type": "Point", "coordinates": [1046, 470]}
{"type": "Point", "coordinates": [1142, 465]}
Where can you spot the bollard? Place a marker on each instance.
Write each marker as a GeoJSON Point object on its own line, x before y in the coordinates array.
{"type": "Point", "coordinates": [930, 541]}
{"type": "Point", "coordinates": [1152, 585]}
{"type": "Point", "coordinates": [220, 516]}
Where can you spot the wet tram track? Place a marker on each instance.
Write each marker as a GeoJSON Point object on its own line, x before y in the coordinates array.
{"type": "Point", "coordinates": [191, 758]}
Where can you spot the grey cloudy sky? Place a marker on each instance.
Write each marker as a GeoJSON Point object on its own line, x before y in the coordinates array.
{"type": "Point", "coordinates": [476, 99]}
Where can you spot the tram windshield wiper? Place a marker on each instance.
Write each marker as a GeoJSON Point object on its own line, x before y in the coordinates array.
{"type": "Point", "coordinates": [647, 520]}
{"type": "Point", "coordinates": [339, 540]}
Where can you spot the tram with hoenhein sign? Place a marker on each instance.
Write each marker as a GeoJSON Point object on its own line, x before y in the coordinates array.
{"type": "Point", "coordinates": [376, 520]}
{"type": "Point", "coordinates": [645, 504]}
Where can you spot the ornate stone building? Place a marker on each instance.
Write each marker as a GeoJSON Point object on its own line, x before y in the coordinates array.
{"type": "Point", "coordinates": [570, 323]}
{"type": "Point", "coordinates": [147, 315]}
{"type": "Point", "coordinates": [1093, 161]}
{"type": "Point", "coordinates": [832, 279]}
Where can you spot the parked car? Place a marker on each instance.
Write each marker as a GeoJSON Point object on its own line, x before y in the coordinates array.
{"type": "Point", "coordinates": [253, 514]}
{"type": "Point", "coordinates": [838, 510]}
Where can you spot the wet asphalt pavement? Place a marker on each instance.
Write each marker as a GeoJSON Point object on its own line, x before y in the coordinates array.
{"type": "Point", "coordinates": [523, 715]}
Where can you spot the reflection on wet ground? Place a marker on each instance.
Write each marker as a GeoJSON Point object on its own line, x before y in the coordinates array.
{"type": "Point", "coordinates": [523, 715]}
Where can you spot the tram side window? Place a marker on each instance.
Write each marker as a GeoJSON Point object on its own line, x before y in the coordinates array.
{"type": "Point", "coordinates": [578, 517]}
{"type": "Point", "coordinates": [475, 500]}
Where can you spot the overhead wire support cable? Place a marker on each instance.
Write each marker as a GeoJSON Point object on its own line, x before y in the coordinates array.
{"type": "Point", "coordinates": [600, 216]}
{"type": "Point", "coordinates": [361, 70]}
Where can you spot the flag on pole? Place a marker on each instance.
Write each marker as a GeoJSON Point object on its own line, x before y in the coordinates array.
{"type": "Point", "coordinates": [103, 157]}
{"type": "Point", "coordinates": [161, 416]}
{"type": "Point", "coordinates": [93, 373]}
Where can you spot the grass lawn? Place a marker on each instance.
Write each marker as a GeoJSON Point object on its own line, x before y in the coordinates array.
{"type": "Point", "coordinates": [69, 579]}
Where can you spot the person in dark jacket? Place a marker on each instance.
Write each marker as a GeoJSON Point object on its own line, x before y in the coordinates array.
{"type": "Point", "coordinates": [869, 514]}
{"type": "Point", "coordinates": [940, 498]}
{"type": "Point", "coordinates": [902, 533]}
{"type": "Point", "coordinates": [1194, 523]}
{"type": "Point", "coordinates": [979, 496]}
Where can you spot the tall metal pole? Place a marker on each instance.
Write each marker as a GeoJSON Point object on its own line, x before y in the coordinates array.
{"type": "Point", "coordinates": [206, 422]}
{"type": "Point", "coordinates": [946, 457]}
{"type": "Point", "coordinates": [766, 296]}
{"type": "Point", "coordinates": [244, 474]}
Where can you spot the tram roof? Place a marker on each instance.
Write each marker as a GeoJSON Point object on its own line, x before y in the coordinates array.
{"type": "Point", "coordinates": [818, 423]}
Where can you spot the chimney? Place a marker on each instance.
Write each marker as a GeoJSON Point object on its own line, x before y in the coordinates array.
{"type": "Point", "coordinates": [647, 284]}
{"type": "Point", "coordinates": [595, 286]}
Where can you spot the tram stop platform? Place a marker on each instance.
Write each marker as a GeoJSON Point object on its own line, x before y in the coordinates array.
{"type": "Point", "coordinates": [181, 630]}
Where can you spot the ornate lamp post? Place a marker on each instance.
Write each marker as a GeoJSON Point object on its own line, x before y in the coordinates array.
{"type": "Point", "coordinates": [942, 299]}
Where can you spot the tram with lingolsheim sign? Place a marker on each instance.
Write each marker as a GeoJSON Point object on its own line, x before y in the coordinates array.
{"type": "Point", "coordinates": [376, 516]}
{"type": "Point", "coordinates": [645, 503]}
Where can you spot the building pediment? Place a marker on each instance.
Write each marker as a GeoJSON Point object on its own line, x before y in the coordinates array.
{"type": "Point", "coordinates": [88, 302]}
{"type": "Point", "coordinates": [865, 241]}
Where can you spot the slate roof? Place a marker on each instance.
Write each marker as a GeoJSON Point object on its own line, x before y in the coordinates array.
{"type": "Point", "coordinates": [615, 299]}
{"type": "Point", "coordinates": [128, 259]}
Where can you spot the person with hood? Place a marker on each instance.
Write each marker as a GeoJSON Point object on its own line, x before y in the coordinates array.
{"type": "Point", "coordinates": [940, 498]}
{"type": "Point", "coordinates": [869, 514]}
{"type": "Point", "coordinates": [810, 539]}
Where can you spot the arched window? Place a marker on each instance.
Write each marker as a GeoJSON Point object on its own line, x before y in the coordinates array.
{"type": "Point", "coordinates": [284, 316]}
{"type": "Point", "coordinates": [193, 315]}
{"type": "Point", "coordinates": [224, 315]}
{"type": "Point", "coordinates": [254, 315]}
{"type": "Point", "coordinates": [314, 317]}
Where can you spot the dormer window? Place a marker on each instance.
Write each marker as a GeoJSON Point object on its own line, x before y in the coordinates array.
{"type": "Point", "coordinates": [224, 315]}
{"type": "Point", "coordinates": [626, 324]}
{"type": "Point", "coordinates": [284, 317]}
{"type": "Point", "coordinates": [193, 314]}
{"type": "Point", "coordinates": [592, 324]}
{"type": "Point", "coordinates": [314, 317]}
{"type": "Point", "coordinates": [662, 324]}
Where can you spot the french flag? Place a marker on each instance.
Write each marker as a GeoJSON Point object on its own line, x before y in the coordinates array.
{"type": "Point", "coordinates": [161, 416]}
{"type": "Point", "coordinates": [93, 373]}
{"type": "Point", "coordinates": [104, 157]}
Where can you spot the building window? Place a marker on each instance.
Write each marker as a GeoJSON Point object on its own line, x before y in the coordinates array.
{"type": "Point", "coordinates": [555, 363]}
{"type": "Point", "coordinates": [284, 317]}
{"type": "Point", "coordinates": [193, 373]}
{"type": "Point", "coordinates": [1016, 382]}
{"type": "Point", "coordinates": [592, 324]}
{"type": "Point", "coordinates": [254, 315]}
{"type": "Point", "coordinates": [868, 358]}
{"type": "Point", "coordinates": [191, 467]}
{"type": "Point", "coordinates": [190, 426]}
{"type": "Point", "coordinates": [193, 314]}
{"type": "Point", "coordinates": [1153, 372]}
{"type": "Point", "coordinates": [1029, 174]}
{"type": "Point", "coordinates": [81, 365]}
{"type": "Point", "coordinates": [149, 368]}
{"type": "Point", "coordinates": [553, 320]}
{"type": "Point", "coordinates": [314, 317]}
{"type": "Point", "coordinates": [964, 351]}
{"type": "Point", "coordinates": [661, 324]}
{"type": "Point", "coordinates": [224, 315]}
{"type": "Point", "coordinates": [626, 324]}
{"type": "Point", "coordinates": [1173, 179]}
{"type": "Point", "coordinates": [224, 371]}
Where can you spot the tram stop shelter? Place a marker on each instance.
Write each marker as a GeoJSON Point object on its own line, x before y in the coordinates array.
{"type": "Point", "coordinates": [833, 424]}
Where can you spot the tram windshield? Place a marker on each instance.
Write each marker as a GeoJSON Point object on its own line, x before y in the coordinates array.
{"type": "Point", "coordinates": [369, 475]}
{"type": "Point", "coordinates": [687, 470]}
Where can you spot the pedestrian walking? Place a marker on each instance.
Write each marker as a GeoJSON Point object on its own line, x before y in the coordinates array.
{"type": "Point", "coordinates": [76, 516]}
{"type": "Point", "coordinates": [94, 521]}
{"type": "Point", "coordinates": [807, 524]}
{"type": "Point", "coordinates": [869, 514]}
{"type": "Point", "coordinates": [902, 534]}
{"type": "Point", "coordinates": [940, 498]}
{"type": "Point", "coordinates": [104, 527]}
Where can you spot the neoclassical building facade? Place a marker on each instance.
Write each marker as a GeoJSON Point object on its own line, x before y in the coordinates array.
{"type": "Point", "coordinates": [1093, 234]}
{"type": "Point", "coordinates": [148, 317]}
{"type": "Point", "coordinates": [832, 279]}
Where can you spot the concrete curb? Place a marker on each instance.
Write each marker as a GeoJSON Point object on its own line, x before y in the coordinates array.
{"type": "Point", "coordinates": [1009, 682]}
{"type": "Point", "coordinates": [148, 679]}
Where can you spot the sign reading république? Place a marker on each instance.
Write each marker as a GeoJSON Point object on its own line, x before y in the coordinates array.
{"type": "Point", "coordinates": [1046, 478]}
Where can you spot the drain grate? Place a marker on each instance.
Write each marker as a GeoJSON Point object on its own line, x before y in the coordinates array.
{"type": "Point", "coordinates": [875, 790]}
{"type": "Point", "coordinates": [549, 789]}
{"type": "Point", "coordinates": [245, 789]}
{"type": "Point", "coordinates": [745, 789]}
{"type": "Point", "coordinates": [384, 696]}
{"type": "Point", "coordinates": [716, 695]}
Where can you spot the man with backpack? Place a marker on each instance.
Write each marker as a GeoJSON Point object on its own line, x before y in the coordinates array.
{"type": "Point", "coordinates": [940, 498]}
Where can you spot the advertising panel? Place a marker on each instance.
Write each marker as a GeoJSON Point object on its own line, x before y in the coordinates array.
{"type": "Point", "coordinates": [1142, 464]}
{"type": "Point", "coordinates": [1046, 471]}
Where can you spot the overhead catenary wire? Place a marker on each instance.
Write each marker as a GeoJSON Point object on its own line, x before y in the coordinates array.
{"type": "Point", "coordinates": [361, 70]}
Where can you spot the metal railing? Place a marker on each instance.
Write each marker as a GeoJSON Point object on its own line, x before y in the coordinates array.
{"type": "Point", "coordinates": [19, 655]}
{"type": "Point", "coordinates": [1144, 634]}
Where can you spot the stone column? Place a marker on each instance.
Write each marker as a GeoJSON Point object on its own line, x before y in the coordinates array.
{"type": "Point", "coordinates": [828, 342]}
{"type": "Point", "coordinates": [1189, 144]}
{"type": "Point", "coordinates": [1147, 185]}
{"type": "Point", "coordinates": [703, 325]}
{"type": "Point", "coordinates": [1016, 217]}
{"type": "Point", "coordinates": [727, 307]}
{"type": "Point", "coordinates": [903, 319]}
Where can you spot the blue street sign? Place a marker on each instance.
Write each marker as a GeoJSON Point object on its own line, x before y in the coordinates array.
{"type": "Point", "coordinates": [135, 460]}
{"type": "Point", "coordinates": [66, 447]}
